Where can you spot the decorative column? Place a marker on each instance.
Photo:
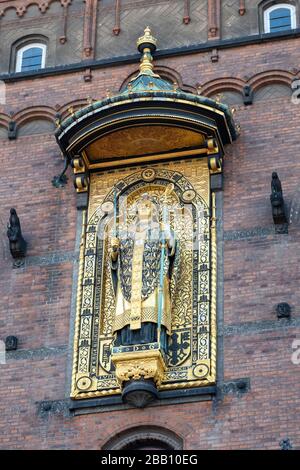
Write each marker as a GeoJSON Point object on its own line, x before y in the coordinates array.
{"type": "Point", "coordinates": [187, 12]}
{"type": "Point", "coordinates": [117, 27]}
{"type": "Point", "coordinates": [89, 28]}
{"type": "Point", "coordinates": [64, 19]}
{"type": "Point", "coordinates": [242, 9]}
{"type": "Point", "coordinates": [214, 19]}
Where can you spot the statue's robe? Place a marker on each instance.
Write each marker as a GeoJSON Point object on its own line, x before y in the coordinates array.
{"type": "Point", "coordinates": [136, 280]}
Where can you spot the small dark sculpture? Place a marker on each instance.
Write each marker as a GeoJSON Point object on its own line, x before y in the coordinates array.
{"type": "Point", "coordinates": [61, 180]}
{"type": "Point", "coordinates": [283, 310]}
{"type": "Point", "coordinates": [11, 343]}
{"type": "Point", "coordinates": [277, 201]}
{"type": "Point", "coordinates": [247, 95]}
{"type": "Point", "coordinates": [285, 444]}
{"type": "Point", "coordinates": [12, 130]}
{"type": "Point", "coordinates": [17, 244]}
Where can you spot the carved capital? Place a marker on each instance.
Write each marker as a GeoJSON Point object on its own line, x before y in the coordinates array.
{"type": "Point", "coordinates": [139, 365]}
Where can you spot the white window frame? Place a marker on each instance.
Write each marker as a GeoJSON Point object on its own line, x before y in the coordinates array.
{"type": "Point", "coordinates": [267, 12]}
{"type": "Point", "coordinates": [23, 49]}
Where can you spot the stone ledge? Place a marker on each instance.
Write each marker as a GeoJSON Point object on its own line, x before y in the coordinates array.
{"type": "Point", "coordinates": [169, 397]}
{"type": "Point", "coordinates": [248, 328]}
{"type": "Point", "coordinates": [245, 234]}
{"type": "Point", "coordinates": [39, 353]}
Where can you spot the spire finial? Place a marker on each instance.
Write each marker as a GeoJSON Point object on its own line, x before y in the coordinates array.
{"type": "Point", "coordinates": [146, 45]}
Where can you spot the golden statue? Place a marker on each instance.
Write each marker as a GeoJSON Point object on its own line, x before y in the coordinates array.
{"type": "Point", "coordinates": [143, 263]}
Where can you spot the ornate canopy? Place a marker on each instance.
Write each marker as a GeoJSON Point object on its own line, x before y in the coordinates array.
{"type": "Point", "coordinates": [151, 120]}
{"type": "Point", "coordinates": [177, 139]}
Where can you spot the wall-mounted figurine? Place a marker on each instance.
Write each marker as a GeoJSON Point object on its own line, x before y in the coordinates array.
{"type": "Point", "coordinates": [17, 244]}
{"type": "Point", "coordinates": [285, 444]}
{"type": "Point", "coordinates": [278, 207]}
{"type": "Point", "coordinates": [247, 95]}
{"type": "Point", "coordinates": [12, 130]}
{"type": "Point", "coordinates": [283, 310]}
{"type": "Point", "coordinates": [11, 343]}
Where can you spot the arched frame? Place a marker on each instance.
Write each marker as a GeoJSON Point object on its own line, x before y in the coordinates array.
{"type": "Point", "coordinates": [27, 47]}
{"type": "Point", "coordinates": [195, 366]}
{"type": "Point", "coordinates": [129, 437]}
{"type": "Point", "coordinates": [273, 7]}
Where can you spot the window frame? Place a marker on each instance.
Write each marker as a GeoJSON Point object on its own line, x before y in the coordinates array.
{"type": "Point", "coordinates": [269, 10]}
{"type": "Point", "coordinates": [22, 49]}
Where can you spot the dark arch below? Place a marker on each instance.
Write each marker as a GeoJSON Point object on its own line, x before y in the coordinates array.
{"type": "Point", "coordinates": [143, 438]}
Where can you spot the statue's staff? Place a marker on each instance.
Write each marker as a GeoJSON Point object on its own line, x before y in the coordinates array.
{"type": "Point", "coordinates": [115, 213]}
{"type": "Point", "coordinates": [167, 192]}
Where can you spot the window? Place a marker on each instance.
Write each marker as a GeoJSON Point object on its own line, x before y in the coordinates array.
{"type": "Point", "coordinates": [31, 57]}
{"type": "Point", "coordinates": [280, 17]}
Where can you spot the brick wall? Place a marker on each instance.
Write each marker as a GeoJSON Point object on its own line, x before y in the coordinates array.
{"type": "Point", "coordinates": [105, 29]}
{"type": "Point", "coordinates": [260, 268]}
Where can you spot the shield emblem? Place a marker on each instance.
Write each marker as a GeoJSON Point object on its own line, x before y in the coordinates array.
{"type": "Point", "coordinates": [179, 347]}
{"type": "Point", "coordinates": [105, 353]}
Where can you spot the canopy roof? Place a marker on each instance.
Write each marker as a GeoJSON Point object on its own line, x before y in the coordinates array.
{"type": "Point", "coordinates": [150, 119]}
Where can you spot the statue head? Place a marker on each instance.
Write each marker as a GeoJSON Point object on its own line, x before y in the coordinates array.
{"type": "Point", "coordinates": [146, 210]}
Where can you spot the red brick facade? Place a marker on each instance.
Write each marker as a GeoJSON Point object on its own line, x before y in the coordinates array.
{"type": "Point", "coordinates": [261, 268]}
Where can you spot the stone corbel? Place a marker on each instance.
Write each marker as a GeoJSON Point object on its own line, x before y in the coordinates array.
{"type": "Point", "coordinates": [214, 157]}
{"type": "Point", "coordinates": [81, 181]}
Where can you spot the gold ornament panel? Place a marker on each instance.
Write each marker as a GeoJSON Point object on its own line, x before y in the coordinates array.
{"type": "Point", "coordinates": [143, 140]}
{"type": "Point", "coordinates": [192, 356]}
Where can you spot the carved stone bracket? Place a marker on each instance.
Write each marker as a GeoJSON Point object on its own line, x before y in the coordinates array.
{"type": "Point", "coordinates": [139, 365]}
{"type": "Point", "coordinates": [81, 179]}
{"type": "Point", "coordinates": [235, 387]}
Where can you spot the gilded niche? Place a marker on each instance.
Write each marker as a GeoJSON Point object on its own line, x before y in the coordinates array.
{"type": "Point", "coordinates": [143, 140]}
{"type": "Point", "coordinates": [146, 289]}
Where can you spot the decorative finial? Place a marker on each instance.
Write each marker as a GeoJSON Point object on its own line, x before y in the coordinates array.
{"type": "Point", "coordinates": [147, 40]}
{"type": "Point", "coordinates": [146, 46]}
